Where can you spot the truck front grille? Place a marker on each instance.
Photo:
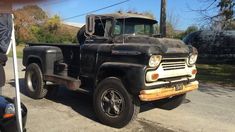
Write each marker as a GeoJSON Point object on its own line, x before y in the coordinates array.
{"type": "Point", "coordinates": [173, 64]}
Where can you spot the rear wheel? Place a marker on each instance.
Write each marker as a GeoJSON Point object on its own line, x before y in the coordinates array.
{"type": "Point", "coordinates": [113, 105]}
{"type": "Point", "coordinates": [170, 103]}
{"type": "Point", "coordinates": [35, 86]}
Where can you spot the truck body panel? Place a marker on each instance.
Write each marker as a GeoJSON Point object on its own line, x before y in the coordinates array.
{"type": "Point", "coordinates": [89, 60]}
{"type": "Point", "coordinates": [120, 62]}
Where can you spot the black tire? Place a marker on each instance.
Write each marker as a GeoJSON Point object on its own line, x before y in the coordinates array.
{"type": "Point", "coordinates": [110, 94]}
{"type": "Point", "coordinates": [170, 103]}
{"type": "Point", "coordinates": [35, 86]}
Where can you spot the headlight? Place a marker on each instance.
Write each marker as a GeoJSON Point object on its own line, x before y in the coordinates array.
{"type": "Point", "coordinates": [192, 59]}
{"type": "Point", "coordinates": [155, 60]}
{"type": "Point", "coordinates": [9, 111]}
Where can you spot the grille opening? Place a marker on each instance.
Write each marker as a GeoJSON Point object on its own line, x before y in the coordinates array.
{"type": "Point", "coordinates": [173, 78]}
{"type": "Point", "coordinates": [173, 64]}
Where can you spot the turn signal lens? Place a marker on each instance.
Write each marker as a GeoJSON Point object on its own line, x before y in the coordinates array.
{"type": "Point", "coordinates": [155, 76]}
{"type": "Point", "coordinates": [194, 72]}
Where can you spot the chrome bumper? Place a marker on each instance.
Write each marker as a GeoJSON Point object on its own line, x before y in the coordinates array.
{"type": "Point", "coordinates": [166, 92]}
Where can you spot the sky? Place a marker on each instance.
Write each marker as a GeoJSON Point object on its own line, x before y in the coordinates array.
{"type": "Point", "coordinates": [180, 9]}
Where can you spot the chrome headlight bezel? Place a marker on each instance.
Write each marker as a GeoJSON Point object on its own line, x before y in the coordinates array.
{"type": "Point", "coordinates": [192, 59]}
{"type": "Point", "coordinates": [154, 61]}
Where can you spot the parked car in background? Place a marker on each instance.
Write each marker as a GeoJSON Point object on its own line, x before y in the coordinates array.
{"type": "Point", "coordinates": [213, 46]}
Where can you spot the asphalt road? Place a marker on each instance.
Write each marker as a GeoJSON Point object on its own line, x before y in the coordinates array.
{"type": "Point", "coordinates": [209, 109]}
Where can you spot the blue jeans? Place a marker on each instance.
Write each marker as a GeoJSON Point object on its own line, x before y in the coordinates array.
{"type": "Point", "coordinates": [3, 59]}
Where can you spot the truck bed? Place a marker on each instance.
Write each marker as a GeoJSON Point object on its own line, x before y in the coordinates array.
{"type": "Point", "coordinates": [71, 56]}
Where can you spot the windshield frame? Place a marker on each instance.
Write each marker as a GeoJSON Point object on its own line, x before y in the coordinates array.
{"type": "Point", "coordinates": [135, 21]}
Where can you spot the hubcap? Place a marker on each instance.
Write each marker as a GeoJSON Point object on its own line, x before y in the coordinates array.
{"type": "Point", "coordinates": [112, 102]}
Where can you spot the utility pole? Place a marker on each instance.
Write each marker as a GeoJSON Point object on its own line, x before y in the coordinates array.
{"type": "Point", "coordinates": [163, 18]}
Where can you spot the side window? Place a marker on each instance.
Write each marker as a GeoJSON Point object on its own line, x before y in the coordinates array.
{"type": "Point", "coordinates": [117, 30]}
{"type": "Point", "coordinates": [103, 28]}
{"type": "Point", "coordinates": [99, 28]}
{"type": "Point", "coordinates": [108, 27]}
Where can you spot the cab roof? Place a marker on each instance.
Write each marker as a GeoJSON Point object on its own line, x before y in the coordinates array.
{"type": "Point", "coordinates": [120, 15]}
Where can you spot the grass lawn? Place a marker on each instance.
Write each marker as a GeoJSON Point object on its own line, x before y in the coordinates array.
{"type": "Point", "coordinates": [220, 73]}
{"type": "Point", "coordinates": [19, 50]}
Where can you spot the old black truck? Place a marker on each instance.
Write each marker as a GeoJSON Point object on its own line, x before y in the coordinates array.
{"type": "Point", "coordinates": [120, 61]}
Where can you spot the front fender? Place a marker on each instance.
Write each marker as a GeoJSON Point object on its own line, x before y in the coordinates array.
{"type": "Point", "coordinates": [132, 75]}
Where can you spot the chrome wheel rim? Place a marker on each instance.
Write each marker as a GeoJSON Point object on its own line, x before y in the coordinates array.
{"type": "Point", "coordinates": [112, 102]}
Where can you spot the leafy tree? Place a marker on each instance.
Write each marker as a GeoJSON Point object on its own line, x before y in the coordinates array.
{"type": "Point", "coordinates": [26, 17]}
{"type": "Point", "coordinates": [191, 29]}
{"type": "Point", "coordinates": [53, 24]}
{"type": "Point", "coordinates": [33, 25]}
{"type": "Point", "coordinates": [170, 31]}
{"type": "Point", "coordinates": [231, 26]}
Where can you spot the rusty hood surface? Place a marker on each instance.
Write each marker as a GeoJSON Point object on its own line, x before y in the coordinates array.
{"type": "Point", "coordinates": [151, 45]}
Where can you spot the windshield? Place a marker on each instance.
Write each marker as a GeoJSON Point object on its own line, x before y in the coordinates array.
{"type": "Point", "coordinates": [134, 27]}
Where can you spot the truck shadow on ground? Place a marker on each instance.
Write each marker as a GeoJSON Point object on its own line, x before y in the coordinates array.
{"type": "Point", "coordinates": [79, 102]}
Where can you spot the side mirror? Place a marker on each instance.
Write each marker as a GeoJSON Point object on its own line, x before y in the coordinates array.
{"type": "Point", "coordinates": [90, 24]}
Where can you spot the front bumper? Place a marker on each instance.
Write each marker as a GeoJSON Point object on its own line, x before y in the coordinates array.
{"type": "Point", "coordinates": [165, 92]}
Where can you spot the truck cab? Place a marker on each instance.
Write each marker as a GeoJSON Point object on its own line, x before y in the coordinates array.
{"type": "Point", "coordinates": [121, 61]}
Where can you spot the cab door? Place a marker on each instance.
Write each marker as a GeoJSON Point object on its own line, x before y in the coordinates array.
{"type": "Point", "coordinates": [88, 59]}
{"type": "Point", "coordinates": [93, 46]}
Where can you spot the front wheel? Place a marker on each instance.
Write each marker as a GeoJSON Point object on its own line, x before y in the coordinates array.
{"type": "Point", "coordinates": [170, 103]}
{"type": "Point", "coordinates": [34, 83]}
{"type": "Point", "coordinates": [113, 105]}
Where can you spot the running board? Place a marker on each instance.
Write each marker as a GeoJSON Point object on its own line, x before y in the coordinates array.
{"type": "Point", "coordinates": [69, 82]}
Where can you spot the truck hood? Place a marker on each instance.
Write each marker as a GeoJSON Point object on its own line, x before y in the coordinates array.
{"type": "Point", "coordinates": [150, 45]}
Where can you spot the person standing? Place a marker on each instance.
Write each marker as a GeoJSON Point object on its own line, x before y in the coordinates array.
{"type": "Point", "coordinates": [5, 40]}
{"type": "Point", "coordinates": [3, 59]}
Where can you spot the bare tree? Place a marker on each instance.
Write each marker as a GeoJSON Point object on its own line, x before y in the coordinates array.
{"type": "Point", "coordinates": [216, 14]}
{"type": "Point", "coordinates": [173, 19]}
